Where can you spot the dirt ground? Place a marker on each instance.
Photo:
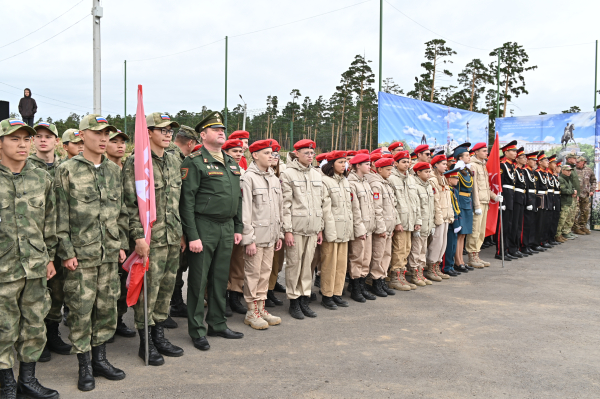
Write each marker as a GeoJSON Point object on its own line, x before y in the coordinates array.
{"type": "Point", "coordinates": [530, 330]}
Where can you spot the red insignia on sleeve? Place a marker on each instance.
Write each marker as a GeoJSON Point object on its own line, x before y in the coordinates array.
{"type": "Point", "coordinates": [375, 196]}
{"type": "Point", "coordinates": [184, 173]}
{"type": "Point", "coordinates": [351, 197]}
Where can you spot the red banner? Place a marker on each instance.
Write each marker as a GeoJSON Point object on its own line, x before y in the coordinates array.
{"type": "Point", "coordinates": [493, 168]}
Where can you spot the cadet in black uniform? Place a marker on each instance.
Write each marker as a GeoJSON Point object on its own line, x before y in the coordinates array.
{"type": "Point", "coordinates": [507, 179]}
{"type": "Point", "coordinates": [528, 242]}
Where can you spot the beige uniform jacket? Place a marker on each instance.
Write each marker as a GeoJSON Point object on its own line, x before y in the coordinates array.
{"type": "Point", "coordinates": [426, 203]}
{"type": "Point", "coordinates": [302, 199]}
{"type": "Point", "coordinates": [443, 212]}
{"type": "Point", "coordinates": [407, 199]}
{"type": "Point", "coordinates": [262, 207]}
{"type": "Point", "coordinates": [481, 184]}
{"type": "Point", "coordinates": [363, 209]}
{"type": "Point", "coordinates": [337, 209]}
{"type": "Point", "coordinates": [384, 201]}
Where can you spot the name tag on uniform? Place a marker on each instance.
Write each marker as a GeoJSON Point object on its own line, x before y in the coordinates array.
{"type": "Point", "coordinates": [215, 173]}
{"type": "Point", "coordinates": [235, 172]}
{"type": "Point", "coordinates": [375, 196]}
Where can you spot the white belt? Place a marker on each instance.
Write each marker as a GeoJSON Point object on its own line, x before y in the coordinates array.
{"type": "Point", "coordinates": [520, 190]}
{"type": "Point", "coordinates": [541, 192]}
{"type": "Point", "coordinates": [509, 186]}
{"type": "Point", "coordinates": [550, 191]}
{"type": "Point", "coordinates": [532, 191]}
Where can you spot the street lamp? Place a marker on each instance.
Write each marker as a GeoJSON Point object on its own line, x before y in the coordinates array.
{"type": "Point", "coordinates": [467, 131]}
{"type": "Point", "coordinates": [245, 108]}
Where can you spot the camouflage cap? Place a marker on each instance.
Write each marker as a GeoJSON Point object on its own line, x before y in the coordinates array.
{"type": "Point", "coordinates": [214, 119]}
{"type": "Point", "coordinates": [11, 125]}
{"type": "Point", "coordinates": [117, 134]}
{"type": "Point", "coordinates": [571, 155]}
{"type": "Point", "coordinates": [567, 167]}
{"type": "Point", "coordinates": [95, 122]}
{"type": "Point", "coordinates": [71, 136]}
{"type": "Point", "coordinates": [46, 125]}
{"type": "Point", "coordinates": [159, 119]}
{"type": "Point", "coordinates": [581, 158]}
{"type": "Point", "coordinates": [189, 132]}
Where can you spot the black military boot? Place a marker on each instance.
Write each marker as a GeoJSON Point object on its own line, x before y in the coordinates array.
{"type": "Point", "coordinates": [328, 303]}
{"type": "Point", "coordinates": [54, 342]}
{"type": "Point", "coordinates": [29, 387]}
{"type": "Point", "coordinates": [234, 302]}
{"type": "Point", "coordinates": [364, 291]}
{"type": "Point", "coordinates": [162, 344]}
{"type": "Point", "coordinates": [46, 355]}
{"type": "Point", "coordinates": [170, 323]}
{"type": "Point", "coordinates": [178, 306]}
{"type": "Point", "coordinates": [8, 385]}
{"type": "Point", "coordinates": [86, 380]}
{"type": "Point", "coordinates": [295, 310]}
{"type": "Point", "coordinates": [123, 330]}
{"type": "Point", "coordinates": [306, 310]}
{"type": "Point", "coordinates": [339, 301]}
{"type": "Point", "coordinates": [377, 289]}
{"type": "Point", "coordinates": [355, 292]}
{"type": "Point", "coordinates": [279, 288]}
{"type": "Point", "coordinates": [65, 315]}
{"type": "Point", "coordinates": [385, 287]}
{"type": "Point", "coordinates": [318, 281]}
{"type": "Point", "coordinates": [102, 368]}
{"type": "Point", "coordinates": [228, 312]}
{"type": "Point", "coordinates": [154, 358]}
{"type": "Point", "coordinates": [271, 296]}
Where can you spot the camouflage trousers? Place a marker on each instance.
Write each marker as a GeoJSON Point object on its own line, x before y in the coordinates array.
{"type": "Point", "coordinates": [164, 262]}
{"type": "Point", "coordinates": [23, 306]}
{"type": "Point", "coordinates": [57, 294]}
{"type": "Point", "coordinates": [564, 226]}
{"type": "Point", "coordinates": [583, 216]}
{"type": "Point", "coordinates": [574, 212]}
{"type": "Point", "coordinates": [91, 294]}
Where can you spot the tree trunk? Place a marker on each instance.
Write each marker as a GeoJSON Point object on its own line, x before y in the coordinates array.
{"type": "Point", "coordinates": [332, 133]}
{"type": "Point", "coordinates": [472, 92]}
{"type": "Point", "coordinates": [433, 75]}
{"type": "Point", "coordinates": [360, 108]}
{"type": "Point", "coordinates": [505, 94]}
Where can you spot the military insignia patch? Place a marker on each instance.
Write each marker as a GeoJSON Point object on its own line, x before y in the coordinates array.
{"type": "Point", "coordinates": [351, 197]}
{"type": "Point", "coordinates": [215, 173]}
{"type": "Point", "coordinates": [375, 196]}
{"type": "Point", "coordinates": [184, 173]}
{"type": "Point", "coordinates": [233, 167]}
{"type": "Point", "coordinates": [235, 172]}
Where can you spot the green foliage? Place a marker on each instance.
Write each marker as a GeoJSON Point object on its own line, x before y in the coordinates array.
{"type": "Point", "coordinates": [573, 110]}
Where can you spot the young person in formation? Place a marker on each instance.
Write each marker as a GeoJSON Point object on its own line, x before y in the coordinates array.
{"type": "Point", "coordinates": [386, 222]}
{"type": "Point", "coordinates": [443, 217]}
{"type": "Point", "coordinates": [262, 206]}
{"type": "Point", "coordinates": [418, 250]}
{"type": "Point", "coordinates": [45, 141]}
{"type": "Point", "coordinates": [71, 142]}
{"type": "Point", "coordinates": [465, 190]}
{"type": "Point", "coordinates": [453, 228]}
{"type": "Point", "coordinates": [338, 229]}
{"type": "Point", "coordinates": [363, 217]}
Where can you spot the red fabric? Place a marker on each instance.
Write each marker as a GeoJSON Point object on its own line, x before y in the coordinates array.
{"type": "Point", "coordinates": [421, 166]}
{"type": "Point", "coordinates": [383, 162]}
{"type": "Point", "coordinates": [438, 158]}
{"type": "Point", "coordinates": [360, 158]}
{"type": "Point", "coordinates": [363, 151]}
{"type": "Point", "coordinates": [493, 168]}
{"type": "Point", "coordinates": [321, 157]}
{"type": "Point", "coordinates": [243, 163]}
{"type": "Point", "coordinates": [305, 144]}
{"type": "Point", "coordinates": [375, 157]}
{"type": "Point", "coordinates": [262, 144]}
{"type": "Point", "coordinates": [232, 143]}
{"type": "Point", "coordinates": [421, 148]}
{"type": "Point", "coordinates": [377, 151]}
{"type": "Point", "coordinates": [197, 147]}
{"type": "Point", "coordinates": [401, 155]}
{"type": "Point", "coordinates": [144, 184]}
{"type": "Point", "coordinates": [239, 134]}
{"type": "Point", "coordinates": [395, 145]}
{"type": "Point", "coordinates": [333, 155]}
{"type": "Point", "coordinates": [478, 146]}
{"type": "Point", "coordinates": [352, 153]}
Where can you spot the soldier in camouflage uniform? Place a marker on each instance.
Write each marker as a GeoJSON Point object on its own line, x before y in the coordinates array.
{"type": "Point", "coordinates": [91, 226]}
{"type": "Point", "coordinates": [571, 159]}
{"type": "Point", "coordinates": [71, 141]}
{"type": "Point", "coordinates": [166, 237]}
{"type": "Point", "coordinates": [587, 187]}
{"type": "Point", "coordinates": [45, 141]}
{"type": "Point", "coordinates": [27, 247]}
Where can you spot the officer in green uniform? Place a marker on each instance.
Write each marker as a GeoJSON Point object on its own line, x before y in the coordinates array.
{"type": "Point", "coordinates": [211, 214]}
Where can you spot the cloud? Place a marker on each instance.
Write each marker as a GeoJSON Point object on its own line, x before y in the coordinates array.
{"type": "Point", "coordinates": [424, 117]}
{"type": "Point", "coordinates": [549, 139]}
{"type": "Point", "coordinates": [583, 119]}
{"type": "Point", "coordinates": [413, 132]}
{"type": "Point", "coordinates": [453, 117]}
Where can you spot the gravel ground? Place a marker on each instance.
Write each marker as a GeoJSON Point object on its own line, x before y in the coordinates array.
{"type": "Point", "coordinates": [529, 330]}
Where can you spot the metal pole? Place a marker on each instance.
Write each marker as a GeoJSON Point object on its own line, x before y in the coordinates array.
{"type": "Point", "coordinates": [596, 78]}
{"type": "Point", "coordinates": [226, 49]}
{"type": "Point", "coordinates": [97, 13]}
{"type": "Point", "coordinates": [244, 123]}
{"type": "Point", "coordinates": [125, 98]}
{"type": "Point", "coordinates": [501, 234]}
{"type": "Point", "coordinates": [498, 90]}
{"type": "Point", "coordinates": [292, 126]}
{"type": "Point", "coordinates": [380, 43]}
{"type": "Point", "coordinates": [146, 316]}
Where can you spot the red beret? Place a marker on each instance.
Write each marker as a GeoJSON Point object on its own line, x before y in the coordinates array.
{"type": "Point", "coordinates": [239, 134]}
{"type": "Point", "coordinates": [383, 162]}
{"type": "Point", "coordinates": [261, 145]}
{"type": "Point", "coordinates": [352, 153]}
{"type": "Point", "coordinates": [276, 146]}
{"type": "Point", "coordinates": [438, 158]}
{"type": "Point", "coordinates": [333, 155]}
{"type": "Point", "coordinates": [322, 156]}
{"type": "Point", "coordinates": [232, 144]}
{"type": "Point", "coordinates": [360, 158]}
{"type": "Point", "coordinates": [401, 155]}
{"type": "Point", "coordinates": [376, 151]}
{"type": "Point", "coordinates": [478, 146]}
{"type": "Point", "coordinates": [395, 145]}
{"type": "Point", "coordinates": [305, 144]}
{"type": "Point", "coordinates": [363, 152]}
{"type": "Point", "coordinates": [421, 148]}
{"type": "Point", "coordinates": [420, 166]}
{"type": "Point", "coordinates": [375, 157]}
{"type": "Point", "coordinates": [387, 156]}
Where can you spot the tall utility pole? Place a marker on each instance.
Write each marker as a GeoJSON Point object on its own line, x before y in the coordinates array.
{"type": "Point", "coordinates": [125, 98]}
{"type": "Point", "coordinates": [380, 42]}
{"type": "Point", "coordinates": [596, 77]}
{"type": "Point", "coordinates": [97, 14]}
{"type": "Point", "coordinates": [245, 109]}
{"type": "Point", "coordinates": [226, 49]}
{"type": "Point", "coordinates": [498, 90]}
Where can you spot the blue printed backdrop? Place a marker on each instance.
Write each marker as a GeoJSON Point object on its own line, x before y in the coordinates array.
{"type": "Point", "coordinates": [417, 122]}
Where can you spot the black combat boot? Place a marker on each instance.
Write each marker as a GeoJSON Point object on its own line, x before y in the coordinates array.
{"type": "Point", "coordinates": [29, 387]}
{"type": "Point", "coordinates": [154, 358]}
{"type": "Point", "coordinates": [123, 330]}
{"type": "Point", "coordinates": [102, 368]}
{"type": "Point", "coordinates": [228, 312]}
{"type": "Point", "coordinates": [86, 380]}
{"type": "Point", "coordinates": [8, 385]}
{"type": "Point", "coordinates": [318, 281]}
{"type": "Point", "coordinates": [178, 306]}
{"type": "Point", "coordinates": [339, 301]}
{"type": "Point", "coordinates": [54, 342]}
{"type": "Point", "coordinates": [170, 323]}
{"type": "Point", "coordinates": [295, 310]}
{"type": "Point", "coordinates": [162, 344]}
{"type": "Point", "coordinates": [328, 303]}
{"type": "Point", "coordinates": [46, 355]}
{"type": "Point", "coordinates": [364, 291]}
{"type": "Point", "coordinates": [355, 292]}
{"type": "Point", "coordinates": [271, 297]}
{"type": "Point", "coordinates": [386, 287]}
{"type": "Point", "coordinates": [377, 289]}
{"type": "Point", "coordinates": [234, 302]}
{"type": "Point", "coordinates": [279, 288]}
{"type": "Point", "coordinates": [306, 310]}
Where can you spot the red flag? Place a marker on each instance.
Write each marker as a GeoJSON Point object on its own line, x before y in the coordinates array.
{"type": "Point", "coordinates": [493, 168]}
{"type": "Point", "coordinates": [144, 187]}
{"type": "Point", "coordinates": [244, 163]}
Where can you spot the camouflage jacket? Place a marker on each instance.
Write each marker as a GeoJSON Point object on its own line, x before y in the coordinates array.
{"type": "Point", "coordinates": [92, 220]}
{"type": "Point", "coordinates": [27, 223]}
{"type": "Point", "coordinates": [175, 150]}
{"type": "Point", "coordinates": [167, 229]}
{"type": "Point", "coordinates": [40, 163]}
{"type": "Point", "coordinates": [587, 181]}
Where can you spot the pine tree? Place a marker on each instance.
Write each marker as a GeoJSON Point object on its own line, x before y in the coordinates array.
{"type": "Point", "coordinates": [473, 78]}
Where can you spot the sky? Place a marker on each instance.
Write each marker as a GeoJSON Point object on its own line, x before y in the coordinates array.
{"type": "Point", "coordinates": [309, 55]}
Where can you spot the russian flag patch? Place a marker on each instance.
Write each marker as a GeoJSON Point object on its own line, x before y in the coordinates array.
{"type": "Point", "coordinates": [101, 119]}
{"type": "Point", "coordinates": [76, 133]}
{"type": "Point", "coordinates": [375, 196]}
{"type": "Point", "coordinates": [165, 117]}
{"type": "Point", "coordinates": [16, 122]}
{"type": "Point", "coordinates": [44, 124]}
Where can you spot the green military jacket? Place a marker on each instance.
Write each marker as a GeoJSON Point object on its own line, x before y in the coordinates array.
{"type": "Point", "coordinates": [166, 230]}
{"type": "Point", "coordinates": [27, 223]}
{"type": "Point", "coordinates": [92, 220]}
{"type": "Point", "coordinates": [40, 163]}
{"type": "Point", "coordinates": [210, 190]}
{"type": "Point", "coordinates": [566, 190]}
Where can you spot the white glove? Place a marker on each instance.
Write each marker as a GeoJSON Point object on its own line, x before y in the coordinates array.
{"type": "Point", "coordinates": [530, 207]}
{"type": "Point", "coordinates": [468, 166]}
{"type": "Point", "coordinates": [323, 162]}
{"type": "Point", "coordinates": [347, 165]}
{"type": "Point", "coordinates": [553, 208]}
{"type": "Point", "coordinates": [499, 197]}
{"type": "Point", "coordinates": [432, 230]}
{"type": "Point", "coordinates": [503, 207]}
{"type": "Point", "coordinates": [456, 230]}
{"type": "Point", "coordinates": [478, 212]}
{"type": "Point", "coordinates": [417, 234]}
{"type": "Point", "coordinates": [460, 165]}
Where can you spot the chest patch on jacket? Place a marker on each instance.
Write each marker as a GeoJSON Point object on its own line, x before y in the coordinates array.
{"type": "Point", "coordinates": [236, 172]}
{"type": "Point", "coordinates": [215, 173]}
{"type": "Point", "coordinates": [375, 196]}
{"type": "Point", "coordinates": [351, 197]}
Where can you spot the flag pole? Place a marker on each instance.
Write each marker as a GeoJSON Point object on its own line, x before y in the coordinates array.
{"type": "Point", "coordinates": [501, 235]}
{"type": "Point", "coordinates": [146, 316]}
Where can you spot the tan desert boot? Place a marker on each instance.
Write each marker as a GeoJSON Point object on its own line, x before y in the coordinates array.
{"type": "Point", "coordinates": [473, 261]}
{"type": "Point", "coordinates": [430, 274]}
{"type": "Point", "coordinates": [253, 318]}
{"type": "Point", "coordinates": [403, 276]}
{"type": "Point", "coordinates": [268, 317]}
{"type": "Point", "coordinates": [396, 282]}
{"type": "Point", "coordinates": [423, 278]}
{"type": "Point", "coordinates": [439, 271]}
{"type": "Point", "coordinates": [483, 262]}
{"type": "Point", "coordinates": [415, 278]}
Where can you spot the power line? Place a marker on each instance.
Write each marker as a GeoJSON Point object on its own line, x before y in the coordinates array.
{"type": "Point", "coordinates": [181, 52]}
{"type": "Point", "coordinates": [30, 48]}
{"type": "Point", "coordinates": [43, 26]}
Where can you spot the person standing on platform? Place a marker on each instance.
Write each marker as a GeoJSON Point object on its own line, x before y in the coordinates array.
{"type": "Point", "coordinates": [507, 179]}
{"type": "Point", "coordinates": [528, 243]}
{"type": "Point", "coordinates": [27, 108]}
